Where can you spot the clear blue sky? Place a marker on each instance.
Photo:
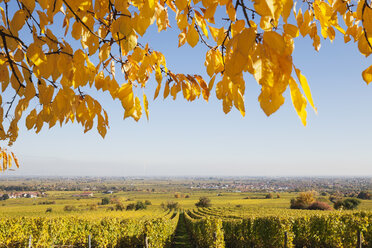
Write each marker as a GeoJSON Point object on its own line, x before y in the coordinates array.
{"type": "Point", "coordinates": [197, 138]}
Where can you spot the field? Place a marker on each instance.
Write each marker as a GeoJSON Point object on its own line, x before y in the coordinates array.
{"type": "Point", "coordinates": [34, 207]}
{"type": "Point", "coordinates": [227, 220]}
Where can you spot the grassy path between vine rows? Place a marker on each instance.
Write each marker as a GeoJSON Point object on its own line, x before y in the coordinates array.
{"type": "Point", "coordinates": [182, 238]}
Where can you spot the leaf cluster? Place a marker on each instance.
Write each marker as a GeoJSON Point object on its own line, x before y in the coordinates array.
{"type": "Point", "coordinates": [53, 75]}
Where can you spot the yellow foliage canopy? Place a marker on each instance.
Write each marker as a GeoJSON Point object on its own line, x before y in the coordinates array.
{"type": "Point", "coordinates": [254, 37]}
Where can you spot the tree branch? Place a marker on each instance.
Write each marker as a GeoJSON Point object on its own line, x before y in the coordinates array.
{"type": "Point", "coordinates": [79, 20]}
{"type": "Point", "coordinates": [201, 37]}
{"type": "Point", "coordinates": [11, 61]}
{"type": "Point", "coordinates": [245, 12]}
{"type": "Point", "coordinates": [223, 44]}
{"type": "Point", "coordinates": [13, 37]}
{"type": "Point", "coordinates": [13, 100]}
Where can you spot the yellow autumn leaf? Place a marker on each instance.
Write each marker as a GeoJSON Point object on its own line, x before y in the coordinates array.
{"type": "Point", "coordinates": [192, 35]}
{"type": "Point", "coordinates": [4, 76]}
{"type": "Point", "coordinates": [128, 101]}
{"type": "Point", "coordinates": [18, 21]}
{"type": "Point", "coordinates": [270, 100]}
{"type": "Point", "coordinates": [181, 39]}
{"type": "Point", "coordinates": [181, 4]}
{"type": "Point", "coordinates": [364, 47]}
{"type": "Point", "coordinates": [265, 7]}
{"type": "Point", "coordinates": [230, 10]}
{"type": "Point", "coordinates": [211, 83]}
{"type": "Point", "coordinates": [15, 160]}
{"type": "Point", "coordinates": [201, 23]}
{"type": "Point", "coordinates": [29, 4]}
{"type": "Point", "coordinates": [305, 86]}
{"type": "Point", "coordinates": [367, 75]}
{"type": "Point", "coordinates": [31, 119]}
{"type": "Point", "coordinates": [137, 110]}
{"type": "Point", "coordinates": [146, 106]}
{"type": "Point", "coordinates": [129, 44]}
{"type": "Point", "coordinates": [30, 91]}
{"type": "Point", "coordinates": [166, 90]}
{"type": "Point", "coordinates": [162, 18]}
{"type": "Point", "coordinates": [101, 127]}
{"type": "Point", "coordinates": [291, 29]}
{"type": "Point", "coordinates": [104, 52]}
{"type": "Point", "coordinates": [5, 160]}
{"type": "Point", "coordinates": [35, 54]}
{"type": "Point", "coordinates": [239, 101]}
{"type": "Point", "coordinates": [174, 91]}
{"type": "Point", "coordinates": [226, 105]}
{"type": "Point", "coordinates": [274, 40]}
{"type": "Point", "coordinates": [182, 21]}
{"type": "Point", "coordinates": [287, 8]}
{"type": "Point", "coordinates": [298, 100]}
{"type": "Point", "coordinates": [45, 94]}
{"type": "Point", "coordinates": [124, 90]}
{"type": "Point", "coordinates": [19, 55]}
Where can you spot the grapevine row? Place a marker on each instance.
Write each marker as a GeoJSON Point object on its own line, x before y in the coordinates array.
{"type": "Point", "coordinates": [339, 230]}
{"type": "Point", "coordinates": [73, 231]}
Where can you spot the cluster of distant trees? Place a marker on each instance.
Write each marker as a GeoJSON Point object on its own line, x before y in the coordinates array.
{"type": "Point", "coordinates": [171, 205]}
{"type": "Point", "coordinates": [365, 195]}
{"type": "Point", "coordinates": [18, 188]}
{"type": "Point", "coordinates": [4, 197]}
{"type": "Point", "coordinates": [119, 206]}
{"type": "Point", "coordinates": [307, 200]}
{"type": "Point", "coordinates": [204, 202]}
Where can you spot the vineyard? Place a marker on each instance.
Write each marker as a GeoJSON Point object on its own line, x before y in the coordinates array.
{"type": "Point", "coordinates": [171, 216]}
{"type": "Point", "coordinates": [73, 231]}
{"type": "Point", "coordinates": [211, 227]}
{"type": "Point", "coordinates": [207, 227]}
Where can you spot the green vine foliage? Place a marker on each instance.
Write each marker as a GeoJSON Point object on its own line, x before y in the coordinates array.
{"type": "Point", "coordinates": [74, 231]}
{"type": "Point", "coordinates": [336, 230]}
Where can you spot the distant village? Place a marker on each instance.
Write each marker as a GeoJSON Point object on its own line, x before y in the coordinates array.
{"type": "Point", "coordinates": [14, 195]}
{"type": "Point", "coordinates": [84, 186]}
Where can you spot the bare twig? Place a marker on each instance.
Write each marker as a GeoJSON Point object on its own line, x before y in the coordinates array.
{"type": "Point", "coordinates": [223, 44]}
{"type": "Point", "coordinates": [202, 38]}
{"type": "Point", "coordinates": [79, 20]}
{"type": "Point", "coordinates": [11, 102]}
{"type": "Point", "coordinates": [13, 37]}
{"type": "Point", "coordinates": [245, 12]}
{"type": "Point", "coordinates": [81, 93]}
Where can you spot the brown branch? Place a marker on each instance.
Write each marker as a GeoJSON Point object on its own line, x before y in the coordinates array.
{"type": "Point", "coordinates": [13, 37]}
{"type": "Point", "coordinates": [201, 37]}
{"type": "Point", "coordinates": [59, 52]}
{"type": "Point", "coordinates": [120, 52]}
{"type": "Point", "coordinates": [21, 7]}
{"type": "Point", "coordinates": [7, 14]}
{"type": "Point", "coordinates": [11, 61]}
{"type": "Point", "coordinates": [81, 93]}
{"type": "Point", "coordinates": [54, 5]}
{"type": "Point", "coordinates": [116, 60]}
{"type": "Point", "coordinates": [245, 12]}
{"type": "Point", "coordinates": [31, 72]}
{"type": "Point", "coordinates": [223, 44]}
{"type": "Point", "coordinates": [79, 20]}
{"type": "Point", "coordinates": [13, 100]}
